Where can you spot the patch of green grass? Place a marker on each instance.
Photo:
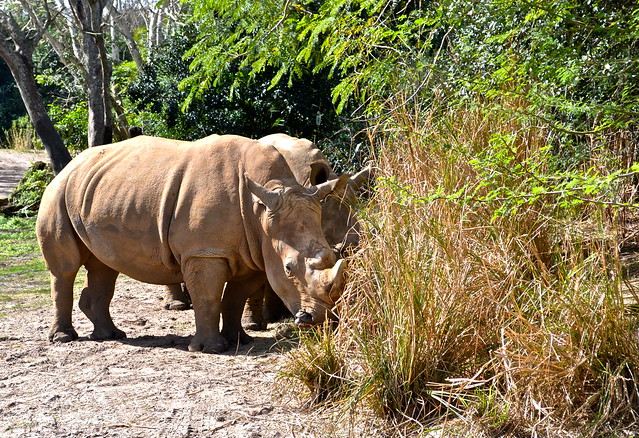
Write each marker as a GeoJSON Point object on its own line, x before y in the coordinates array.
{"type": "Point", "coordinates": [24, 281]}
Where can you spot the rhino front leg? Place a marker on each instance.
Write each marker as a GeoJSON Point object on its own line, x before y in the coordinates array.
{"type": "Point", "coordinates": [205, 278]}
{"type": "Point", "coordinates": [176, 297]}
{"type": "Point", "coordinates": [235, 296]}
{"type": "Point", "coordinates": [96, 298]}
{"type": "Point", "coordinates": [253, 318]}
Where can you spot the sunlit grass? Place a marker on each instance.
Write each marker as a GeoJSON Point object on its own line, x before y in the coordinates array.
{"type": "Point", "coordinates": [24, 282]}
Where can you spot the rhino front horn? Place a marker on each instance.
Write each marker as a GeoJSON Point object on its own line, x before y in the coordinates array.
{"type": "Point", "coordinates": [271, 199]}
{"type": "Point", "coordinates": [338, 278]}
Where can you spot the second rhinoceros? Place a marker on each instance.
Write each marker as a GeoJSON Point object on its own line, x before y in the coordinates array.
{"type": "Point", "coordinates": [204, 213]}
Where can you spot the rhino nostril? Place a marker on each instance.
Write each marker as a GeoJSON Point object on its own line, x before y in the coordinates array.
{"type": "Point", "coordinates": [303, 318]}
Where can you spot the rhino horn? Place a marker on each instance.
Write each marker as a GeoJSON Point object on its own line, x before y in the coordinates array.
{"type": "Point", "coordinates": [357, 181]}
{"type": "Point", "coordinates": [269, 198]}
{"type": "Point", "coordinates": [336, 186]}
{"type": "Point", "coordinates": [338, 278]}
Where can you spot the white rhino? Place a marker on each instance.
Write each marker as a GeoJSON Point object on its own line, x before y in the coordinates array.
{"type": "Point", "coordinates": [205, 213]}
{"type": "Point", "coordinates": [339, 223]}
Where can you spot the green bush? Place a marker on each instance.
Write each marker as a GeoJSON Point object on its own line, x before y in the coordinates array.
{"type": "Point", "coordinates": [71, 123]}
{"type": "Point", "coordinates": [25, 199]}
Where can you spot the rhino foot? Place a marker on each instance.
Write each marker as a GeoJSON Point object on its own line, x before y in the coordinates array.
{"type": "Point", "coordinates": [215, 345]}
{"type": "Point", "coordinates": [63, 336]}
{"type": "Point", "coordinates": [237, 337]}
{"type": "Point", "coordinates": [177, 305]}
{"type": "Point", "coordinates": [252, 323]}
{"type": "Point", "coordinates": [106, 334]}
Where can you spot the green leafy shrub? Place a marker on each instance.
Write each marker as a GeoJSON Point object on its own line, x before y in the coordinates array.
{"type": "Point", "coordinates": [161, 105]}
{"type": "Point", "coordinates": [72, 124]}
{"type": "Point", "coordinates": [25, 199]}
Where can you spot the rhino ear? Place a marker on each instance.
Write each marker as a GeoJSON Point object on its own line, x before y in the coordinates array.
{"type": "Point", "coordinates": [319, 173]}
{"type": "Point", "coordinates": [335, 186]}
{"type": "Point", "coordinates": [266, 197]}
{"type": "Point", "coordinates": [360, 178]}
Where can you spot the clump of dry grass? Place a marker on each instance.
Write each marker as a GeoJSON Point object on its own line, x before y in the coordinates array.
{"type": "Point", "coordinates": [471, 299]}
{"type": "Point", "coordinates": [21, 136]}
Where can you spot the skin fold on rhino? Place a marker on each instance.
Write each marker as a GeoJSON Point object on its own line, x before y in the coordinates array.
{"type": "Point", "coordinates": [207, 213]}
{"type": "Point", "coordinates": [339, 224]}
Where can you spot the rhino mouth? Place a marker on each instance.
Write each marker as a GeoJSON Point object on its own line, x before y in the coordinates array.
{"type": "Point", "coordinates": [303, 318]}
{"type": "Point", "coordinates": [306, 319]}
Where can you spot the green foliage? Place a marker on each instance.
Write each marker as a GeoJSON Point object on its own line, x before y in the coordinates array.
{"type": "Point", "coordinates": [236, 36]}
{"type": "Point", "coordinates": [253, 110]}
{"type": "Point", "coordinates": [12, 107]}
{"type": "Point", "coordinates": [72, 124]}
{"type": "Point", "coordinates": [371, 47]}
{"type": "Point", "coordinates": [572, 62]}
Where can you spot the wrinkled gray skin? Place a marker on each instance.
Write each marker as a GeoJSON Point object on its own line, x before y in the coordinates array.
{"type": "Point", "coordinates": [223, 210]}
{"type": "Point", "coordinates": [339, 224]}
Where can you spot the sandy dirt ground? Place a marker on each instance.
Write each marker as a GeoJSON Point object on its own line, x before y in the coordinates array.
{"type": "Point", "coordinates": [149, 384]}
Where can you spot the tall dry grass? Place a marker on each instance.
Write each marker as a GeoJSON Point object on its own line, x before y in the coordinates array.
{"type": "Point", "coordinates": [473, 304]}
{"type": "Point", "coordinates": [21, 136]}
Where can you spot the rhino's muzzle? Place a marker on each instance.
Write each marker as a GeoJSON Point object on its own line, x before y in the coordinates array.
{"type": "Point", "coordinates": [303, 318]}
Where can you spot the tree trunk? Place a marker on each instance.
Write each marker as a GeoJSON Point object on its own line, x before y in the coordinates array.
{"type": "Point", "coordinates": [120, 21]}
{"type": "Point", "coordinates": [98, 70]}
{"type": "Point", "coordinates": [22, 70]}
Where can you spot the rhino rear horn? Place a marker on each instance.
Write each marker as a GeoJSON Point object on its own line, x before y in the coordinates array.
{"type": "Point", "coordinates": [335, 186]}
{"type": "Point", "coordinates": [269, 198]}
{"type": "Point", "coordinates": [360, 178]}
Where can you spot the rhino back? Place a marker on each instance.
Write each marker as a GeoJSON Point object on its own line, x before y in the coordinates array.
{"type": "Point", "coordinates": [145, 205]}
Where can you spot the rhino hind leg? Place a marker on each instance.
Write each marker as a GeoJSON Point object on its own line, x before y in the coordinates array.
{"type": "Point", "coordinates": [62, 293]}
{"type": "Point", "coordinates": [176, 297]}
{"type": "Point", "coordinates": [64, 254]}
{"type": "Point", "coordinates": [96, 298]}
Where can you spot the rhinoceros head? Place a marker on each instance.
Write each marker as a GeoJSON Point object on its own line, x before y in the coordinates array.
{"type": "Point", "coordinates": [299, 263]}
{"type": "Point", "coordinates": [339, 221]}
